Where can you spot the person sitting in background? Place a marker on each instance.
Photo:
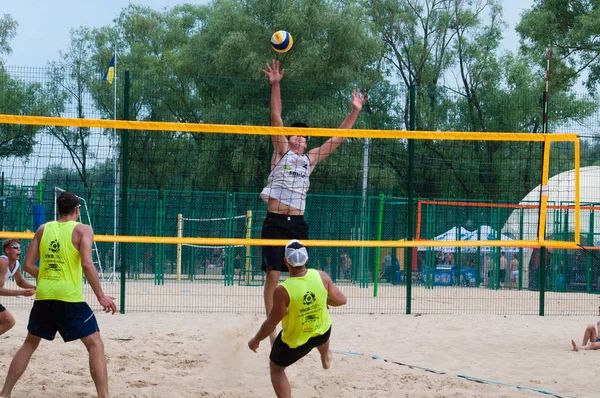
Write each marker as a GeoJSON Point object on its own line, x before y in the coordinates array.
{"type": "Point", "coordinates": [590, 338]}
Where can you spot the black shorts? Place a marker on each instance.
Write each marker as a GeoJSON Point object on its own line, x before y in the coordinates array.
{"type": "Point", "coordinates": [279, 226]}
{"type": "Point", "coordinates": [2, 308]}
{"type": "Point", "coordinates": [72, 320]}
{"type": "Point", "coordinates": [282, 355]}
{"type": "Point", "coordinates": [501, 274]}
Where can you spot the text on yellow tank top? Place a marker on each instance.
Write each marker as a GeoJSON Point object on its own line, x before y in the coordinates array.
{"type": "Point", "coordinates": [60, 276]}
{"type": "Point", "coordinates": [307, 315]}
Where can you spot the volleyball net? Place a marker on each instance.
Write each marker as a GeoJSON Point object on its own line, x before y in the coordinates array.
{"type": "Point", "coordinates": [185, 198]}
{"type": "Point", "coordinates": [208, 169]}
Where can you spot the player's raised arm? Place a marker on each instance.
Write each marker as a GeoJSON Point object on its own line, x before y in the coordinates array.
{"type": "Point", "coordinates": [275, 74]}
{"type": "Point", "coordinates": [320, 153]}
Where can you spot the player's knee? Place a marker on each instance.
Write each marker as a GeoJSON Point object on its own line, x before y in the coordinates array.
{"type": "Point", "coordinates": [275, 369]}
{"type": "Point", "coordinates": [93, 342]}
{"type": "Point", "coordinates": [7, 322]}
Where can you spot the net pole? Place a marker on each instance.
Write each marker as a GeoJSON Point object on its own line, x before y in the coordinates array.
{"type": "Point", "coordinates": [378, 250]}
{"type": "Point", "coordinates": [578, 193]}
{"type": "Point", "coordinates": [544, 194]}
{"type": "Point", "coordinates": [54, 204]}
{"type": "Point", "coordinates": [115, 173]}
{"type": "Point", "coordinates": [545, 121]}
{"type": "Point", "coordinates": [365, 185]}
{"type": "Point", "coordinates": [179, 235]}
{"type": "Point", "coordinates": [248, 247]}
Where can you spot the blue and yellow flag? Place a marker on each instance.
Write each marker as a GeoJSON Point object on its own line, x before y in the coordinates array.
{"type": "Point", "coordinates": [110, 74]}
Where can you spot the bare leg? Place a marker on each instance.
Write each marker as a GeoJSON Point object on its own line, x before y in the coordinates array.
{"type": "Point", "coordinates": [95, 348]}
{"type": "Point", "coordinates": [271, 282]}
{"type": "Point", "coordinates": [6, 322]}
{"type": "Point", "coordinates": [19, 363]}
{"type": "Point", "coordinates": [590, 346]}
{"type": "Point", "coordinates": [590, 334]}
{"type": "Point", "coordinates": [280, 382]}
{"type": "Point", "coordinates": [326, 355]}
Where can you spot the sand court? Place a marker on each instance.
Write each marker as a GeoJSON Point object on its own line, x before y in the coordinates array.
{"type": "Point", "coordinates": [205, 355]}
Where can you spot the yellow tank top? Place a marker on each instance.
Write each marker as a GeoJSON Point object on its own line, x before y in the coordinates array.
{"type": "Point", "coordinates": [307, 315]}
{"type": "Point", "coordinates": [60, 276]}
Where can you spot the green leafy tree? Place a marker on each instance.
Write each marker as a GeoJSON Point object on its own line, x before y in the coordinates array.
{"type": "Point", "coordinates": [418, 37]}
{"type": "Point", "coordinates": [202, 64]}
{"type": "Point", "coordinates": [8, 30]}
{"type": "Point", "coordinates": [68, 94]}
{"type": "Point", "coordinates": [570, 30]}
{"type": "Point", "coordinates": [18, 98]}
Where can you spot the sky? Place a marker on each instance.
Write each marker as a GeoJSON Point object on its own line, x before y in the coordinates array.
{"type": "Point", "coordinates": [44, 26]}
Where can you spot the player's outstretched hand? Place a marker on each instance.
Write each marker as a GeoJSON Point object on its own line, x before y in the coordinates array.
{"type": "Point", "coordinates": [28, 292]}
{"type": "Point", "coordinates": [273, 73]}
{"type": "Point", "coordinates": [358, 99]}
{"type": "Point", "coordinates": [108, 304]}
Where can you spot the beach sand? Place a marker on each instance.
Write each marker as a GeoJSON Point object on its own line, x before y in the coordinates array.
{"type": "Point", "coordinates": [205, 355]}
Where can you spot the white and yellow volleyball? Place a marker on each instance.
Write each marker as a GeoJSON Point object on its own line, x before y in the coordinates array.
{"type": "Point", "coordinates": [281, 41]}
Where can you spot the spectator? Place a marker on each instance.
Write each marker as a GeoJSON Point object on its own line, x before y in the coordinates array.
{"type": "Point", "coordinates": [590, 338]}
{"type": "Point", "coordinates": [514, 269]}
{"type": "Point", "coordinates": [346, 264]}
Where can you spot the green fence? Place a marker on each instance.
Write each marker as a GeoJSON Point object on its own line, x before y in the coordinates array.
{"type": "Point", "coordinates": [359, 192]}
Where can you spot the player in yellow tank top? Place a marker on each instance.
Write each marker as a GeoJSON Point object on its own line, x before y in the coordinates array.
{"type": "Point", "coordinates": [301, 304]}
{"type": "Point", "coordinates": [64, 248]}
{"type": "Point", "coordinates": [60, 276]}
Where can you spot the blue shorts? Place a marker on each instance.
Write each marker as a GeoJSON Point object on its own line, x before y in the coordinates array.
{"type": "Point", "coordinates": [72, 320]}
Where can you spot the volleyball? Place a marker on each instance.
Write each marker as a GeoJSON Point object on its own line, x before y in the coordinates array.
{"type": "Point", "coordinates": [281, 41]}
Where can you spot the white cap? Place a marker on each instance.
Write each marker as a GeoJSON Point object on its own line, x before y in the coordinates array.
{"type": "Point", "coordinates": [296, 254]}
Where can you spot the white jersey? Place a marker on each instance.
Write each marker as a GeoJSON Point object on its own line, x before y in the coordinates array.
{"type": "Point", "coordinates": [288, 181]}
{"type": "Point", "coordinates": [10, 273]}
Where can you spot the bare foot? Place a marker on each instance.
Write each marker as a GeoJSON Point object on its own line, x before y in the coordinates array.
{"type": "Point", "coordinates": [326, 361]}
{"type": "Point", "coordinates": [574, 345]}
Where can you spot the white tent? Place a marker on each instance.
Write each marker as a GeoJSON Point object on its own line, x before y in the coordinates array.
{"type": "Point", "coordinates": [453, 234]}
{"type": "Point", "coordinates": [485, 232]}
{"type": "Point", "coordinates": [561, 191]}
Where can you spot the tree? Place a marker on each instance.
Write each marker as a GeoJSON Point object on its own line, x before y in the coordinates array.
{"type": "Point", "coordinates": [428, 41]}
{"type": "Point", "coordinates": [18, 98]}
{"type": "Point", "coordinates": [68, 88]}
{"type": "Point", "coordinates": [8, 30]}
{"type": "Point", "coordinates": [570, 30]}
{"type": "Point", "coordinates": [176, 55]}
{"type": "Point", "coordinates": [418, 50]}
